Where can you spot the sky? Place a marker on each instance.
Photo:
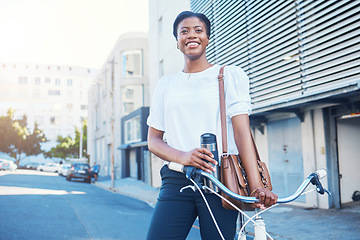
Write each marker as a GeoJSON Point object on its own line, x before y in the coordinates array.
{"type": "Point", "coordinates": [66, 32]}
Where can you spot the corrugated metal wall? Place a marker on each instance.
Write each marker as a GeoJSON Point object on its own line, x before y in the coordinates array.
{"type": "Point", "coordinates": [290, 49]}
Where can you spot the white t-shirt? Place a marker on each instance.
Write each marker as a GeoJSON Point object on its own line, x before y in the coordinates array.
{"type": "Point", "coordinates": [186, 105]}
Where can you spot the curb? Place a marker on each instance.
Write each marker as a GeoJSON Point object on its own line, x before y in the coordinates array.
{"type": "Point", "coordinates": [134, 189]}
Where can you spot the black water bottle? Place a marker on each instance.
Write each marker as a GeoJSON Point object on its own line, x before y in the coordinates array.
{"type": "Point", "coordinates": [208, 141]}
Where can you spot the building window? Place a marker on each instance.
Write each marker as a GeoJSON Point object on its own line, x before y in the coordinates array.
{"type": "Point", "coordinates": [69, 82]}
{"type": "Point", "coordinates": [23, 80]}
{"type": "Point", "coordinates": [37, 81]}
{"type": "Point", "coordinates": [128, 107]}
{"type": "Point", "coordinates": [129, 94]}
{"type": "Point", "coordinates": [83, 107]}
{"type": "Point", "coordinates": [97, 117]}
{"type": "Point", "coordinates": [69, 106]}
{"type": "Point", "coordinates": [47, 80]}
{"type": "Point", "coordinates": [161, 68]}
{"type": "Point", "coordinates": [57, 82]}
{"type": "Point", "coordinates": [54, 92]}
{"type": "Point", "coordinates": [160, 25]}
{"type": "Point", "coordinates": [132, 63]}
{"type": "Point", "coordinates": [133, 130]}
{"type": "Point", "coordinates": [55, 120]}
{"type": "Point", "coordinates": [132, 97]}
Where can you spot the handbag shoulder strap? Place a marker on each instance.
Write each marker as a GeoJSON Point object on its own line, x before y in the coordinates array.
{"type": "Point", "coordinates": [222, 110]}
{"type": "Point", "coordinates": [223, 115]}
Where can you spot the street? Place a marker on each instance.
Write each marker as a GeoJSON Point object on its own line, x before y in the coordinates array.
{"type": "Point", "coordinates": [38, 205]}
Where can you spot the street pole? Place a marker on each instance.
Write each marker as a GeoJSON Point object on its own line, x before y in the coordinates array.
{"type": "Point", "coordinates": [112, 126]}
{"type": "Point", "coordinates": [80, 141]}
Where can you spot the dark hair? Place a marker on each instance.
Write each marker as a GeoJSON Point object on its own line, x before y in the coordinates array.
{"type": "Point", "coordinates": [188, 14]}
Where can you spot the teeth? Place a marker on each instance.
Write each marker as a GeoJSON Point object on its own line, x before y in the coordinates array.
{"type": "Point", "coordinates": [192, 44]}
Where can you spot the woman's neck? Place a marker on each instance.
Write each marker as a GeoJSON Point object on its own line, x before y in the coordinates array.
{"type": "Point", "coordinates": [198, 65]}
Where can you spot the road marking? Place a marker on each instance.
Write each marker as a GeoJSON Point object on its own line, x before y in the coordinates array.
{"type": "Point", "coordinates": [4, 190]}
{"type": "Point", "coordinates": [126, 213]}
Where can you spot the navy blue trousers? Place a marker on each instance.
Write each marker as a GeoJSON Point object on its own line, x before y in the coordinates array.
{"type": "Point", "coordinates": [175, 212]}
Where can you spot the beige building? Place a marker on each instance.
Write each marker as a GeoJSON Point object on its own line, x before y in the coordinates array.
{"type": "Point", "coordinates": [54, 96]}
{"type": "Point", "coordinates": [120, 88]}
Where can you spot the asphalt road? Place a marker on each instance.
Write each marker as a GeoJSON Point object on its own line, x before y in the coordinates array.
{"type": "Point", "coordinates": [37, 205]}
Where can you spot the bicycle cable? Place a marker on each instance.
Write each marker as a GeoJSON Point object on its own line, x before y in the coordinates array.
{"type": "Point", "coordinates": [209, 209]}
{"type": "Point", "coordinates": [242, 212]}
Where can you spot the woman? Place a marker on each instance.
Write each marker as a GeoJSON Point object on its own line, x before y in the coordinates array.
{"type": "Point", "coordinates": [185, 106]}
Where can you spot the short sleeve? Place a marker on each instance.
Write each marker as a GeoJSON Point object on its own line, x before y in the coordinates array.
{"type": "Point", "coordinates": [237, 94]}
{"type": "Point", "coordinates": [156, 116]}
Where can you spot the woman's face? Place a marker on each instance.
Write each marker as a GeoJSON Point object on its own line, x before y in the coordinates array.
{"type": "Point", "coordinates": [192, 38]}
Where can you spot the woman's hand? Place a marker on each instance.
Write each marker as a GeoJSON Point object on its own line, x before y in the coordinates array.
{"type": "Point", "coordinates": [266, 198]}
{"type": "Point", "coordinates": [199, 158]}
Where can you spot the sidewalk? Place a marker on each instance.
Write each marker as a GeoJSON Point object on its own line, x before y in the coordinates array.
{"type": "Point", "coordinates": [132, 188]}
{"type": "Point", "coordinates": [283, 222]}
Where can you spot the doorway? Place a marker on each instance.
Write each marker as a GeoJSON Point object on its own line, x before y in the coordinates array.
{"type": "Point", "coordinates": [285, 156]}
{"type": "Point", "coordinates": [348, 142]}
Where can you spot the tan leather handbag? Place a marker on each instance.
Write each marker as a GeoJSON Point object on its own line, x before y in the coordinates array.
{"type": "Point", "coordinates": [232, 172]}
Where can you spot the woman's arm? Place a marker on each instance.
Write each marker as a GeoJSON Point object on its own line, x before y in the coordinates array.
{"type": "Point", "coordinates": [246, 150]}
{"type": "Point", "coordinates": [194, 157]}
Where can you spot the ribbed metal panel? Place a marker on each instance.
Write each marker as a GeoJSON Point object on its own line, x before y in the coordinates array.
{"type": "Point", "coordinates": [289, 49]}
{"type": "Point", "coordinates": [330, 45]}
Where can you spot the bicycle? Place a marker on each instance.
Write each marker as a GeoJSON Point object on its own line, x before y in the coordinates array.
{"type": "Point", "coordinates": [196, 176]}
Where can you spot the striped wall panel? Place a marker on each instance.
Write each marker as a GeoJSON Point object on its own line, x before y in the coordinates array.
{"type": "Point", "coordinates": [290, 49]}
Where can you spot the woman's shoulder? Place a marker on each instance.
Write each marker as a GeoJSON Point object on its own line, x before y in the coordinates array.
{"type": "Point", "coordinates": [235, 74]}
{"type": "Point", "coordinates": [233, 69]}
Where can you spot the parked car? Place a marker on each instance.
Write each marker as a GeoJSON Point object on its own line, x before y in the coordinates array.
{"type": "Point", "coordinates": [79, 171]}
{"type": "Point", "coordinates": [7, 165]}
{"type": "Point", "coordinates": [64, 169]}
{"type": "Point", "coordinates": [32, 165]}
{"type": "Point", "coordinates": [49, 167]}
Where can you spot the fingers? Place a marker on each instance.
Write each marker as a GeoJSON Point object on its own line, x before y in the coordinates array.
{"type": "Point", "coordinates": [206, 154]}
{"type": "Point", "coordinates": [203, 159]}
{"type": "Point", "coordinates": [266, 198]}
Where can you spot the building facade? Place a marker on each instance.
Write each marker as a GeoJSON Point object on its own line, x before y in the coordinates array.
{"type": "Point", "coordinates": [120, 88]}
{"type": "Point", "coordinates": [302, 59]}
{"type": "Point", "coordinates": [53, 96]}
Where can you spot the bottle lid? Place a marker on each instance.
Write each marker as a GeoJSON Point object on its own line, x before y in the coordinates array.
{"type": "Point", "coordinates": [208, 138]}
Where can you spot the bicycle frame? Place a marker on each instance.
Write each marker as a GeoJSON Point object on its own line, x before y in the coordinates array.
{"type": "Point", "coordinates": [195, 174]}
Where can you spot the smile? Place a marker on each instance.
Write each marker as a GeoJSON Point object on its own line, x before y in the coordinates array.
{"type": "Point", "coordinates": [192, 44]}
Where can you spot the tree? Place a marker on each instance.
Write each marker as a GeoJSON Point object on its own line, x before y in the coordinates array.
{"type": "Point", "coordinates": [16, 139]}
{"type": "Point", "coordinates": [68, 147]}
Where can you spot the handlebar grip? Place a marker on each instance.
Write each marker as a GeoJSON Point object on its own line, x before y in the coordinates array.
{"type": "Point", "coordinates": [321, 173]}
{"type": "Point", "coordinates": [176, 167]}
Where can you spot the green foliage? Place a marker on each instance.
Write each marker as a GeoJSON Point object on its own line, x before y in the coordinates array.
{"type": "Point", "coordinates": [68, 147]}
{"type": "Point", "coordinates": [16, 139]}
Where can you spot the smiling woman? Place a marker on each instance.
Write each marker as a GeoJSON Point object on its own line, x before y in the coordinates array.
{"type": "Point", "coordinates": [184, 107]}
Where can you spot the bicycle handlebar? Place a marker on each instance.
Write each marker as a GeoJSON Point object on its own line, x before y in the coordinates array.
{"type": "Point", "coordinates": [192, 172]}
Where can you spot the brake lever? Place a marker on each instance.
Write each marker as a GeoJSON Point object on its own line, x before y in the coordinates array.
{"type": "Point", "coordinates": [319, 188]}
{"type": "Point", "coordinates": [191, 173]}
